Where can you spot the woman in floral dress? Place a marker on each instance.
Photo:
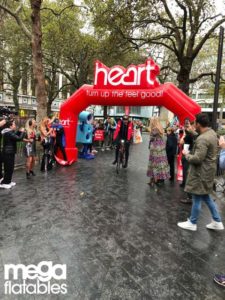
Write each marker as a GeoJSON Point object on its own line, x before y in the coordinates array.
{"type": "Point", "coordinates": [158, 168]}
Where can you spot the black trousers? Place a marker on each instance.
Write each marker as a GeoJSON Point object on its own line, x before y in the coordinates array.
{"type": "Point", "coordinates": [171, 162]}
{"type": "Point", "coordinates": [185, 166]}
{"type": "Point", "coordinates": [1, 165]}
{"type": "Point", "coordinates": [9, 161]}
{"type": "Point", "coordinates": [61, 147]}
{"type": "Point", "coordinates": [46, 162]}
{"type": "Point", "coordinates": [127, 147]}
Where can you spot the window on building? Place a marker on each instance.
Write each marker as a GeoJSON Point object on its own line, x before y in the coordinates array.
{"type": "Point", "coordinates": [120, 110]}
{"type": "Point", "coordinates": [135, 110]}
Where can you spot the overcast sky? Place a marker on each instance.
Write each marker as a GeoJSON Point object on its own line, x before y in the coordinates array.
{"type": "Point", "coordinates": [220, 5]}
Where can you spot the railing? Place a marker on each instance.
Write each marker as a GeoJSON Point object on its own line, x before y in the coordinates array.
{"type": "Point", "coordinates": [20, 156]}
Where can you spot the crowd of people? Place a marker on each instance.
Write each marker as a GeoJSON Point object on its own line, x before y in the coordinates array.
{"type": "Point", "coordinates": [198, 145]}
{"type": "Point", "coordinates": [50, 134]}
{"type": "Point", "coordinates": [104, 130]}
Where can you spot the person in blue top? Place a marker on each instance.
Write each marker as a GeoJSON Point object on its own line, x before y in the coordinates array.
{"type": "Point", "coordinates": [220, 278]}
{"type": "Point", "coordinates": [59, 138]}
{"type": "Point", "coordinates": [222, 153]}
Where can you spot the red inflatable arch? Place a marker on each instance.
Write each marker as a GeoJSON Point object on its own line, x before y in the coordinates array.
{"type": "Point", "coordinates": [134, 86]}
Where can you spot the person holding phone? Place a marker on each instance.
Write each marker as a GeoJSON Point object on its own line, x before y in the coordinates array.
{"type": "Point", "coordinates": [202, 171]}
{"type": "Point", "coordinates": [187, 142]}
{"type": "Point", "coordinates": [10, 139]}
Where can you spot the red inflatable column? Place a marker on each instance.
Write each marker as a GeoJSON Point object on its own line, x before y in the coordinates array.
{"type": "Point", "coordinates": [127, 110]}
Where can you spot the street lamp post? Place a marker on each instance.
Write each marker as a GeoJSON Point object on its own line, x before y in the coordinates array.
{"type": "Point", "coordinates": [217, 83]}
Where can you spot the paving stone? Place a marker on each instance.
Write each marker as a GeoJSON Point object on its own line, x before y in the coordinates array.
{"type": "Point", "coordinates": [118, 236]}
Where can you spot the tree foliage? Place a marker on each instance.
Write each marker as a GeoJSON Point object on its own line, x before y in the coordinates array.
{"type": "Point", "coordinates": [180, 26]}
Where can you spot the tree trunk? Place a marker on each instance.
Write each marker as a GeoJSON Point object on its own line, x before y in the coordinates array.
{"type": "Point", "coordinates": [15, 98]}
{"type": "Point", "coordinates": [183, 76]}
{"type": "Point", "coordinates": [49, 104]}
{"type": "Point", "coordinates": [38, 70]}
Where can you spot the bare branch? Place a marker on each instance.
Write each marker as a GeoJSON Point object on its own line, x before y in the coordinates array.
{"type": "Point", "coordinates": [172, 20]}
{"type": "Point", "coordinates": [15, 15]}
{"type": "Point", "coordinates": [192, 80]}
{"type": "Point", "coordinates": [184, 27]}
{"type": "Point", "coordinates": [57, 14]}
{"type": "Point", "coordinates": [169, 68]}
{"type": "Point", "coordinates": [206, 36]}
{"type": "Point", "coordinates": [207, 19]}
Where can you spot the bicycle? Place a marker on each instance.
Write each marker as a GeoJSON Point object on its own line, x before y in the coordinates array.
{"type": "Point", "coordinates": [121, 158]}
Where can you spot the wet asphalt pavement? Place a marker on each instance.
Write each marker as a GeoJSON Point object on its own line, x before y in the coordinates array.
{"type": "Point", "coordinates": [117, 235]}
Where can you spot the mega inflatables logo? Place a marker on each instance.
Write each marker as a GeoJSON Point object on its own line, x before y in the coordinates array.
{"type": "Point", "coordinates": [42, 279]}
{"type": "Point", "coordinates": [140, 76]}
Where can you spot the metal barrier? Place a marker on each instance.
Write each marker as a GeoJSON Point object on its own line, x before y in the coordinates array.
{"type": "Point", "coordinates": [20, 158]}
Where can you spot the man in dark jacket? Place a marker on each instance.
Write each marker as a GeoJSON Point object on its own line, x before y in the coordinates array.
{"type": "Point", "coordinates": [171, 150]}
{"type": "Point", "coordinates": [123, 132]}
{"type": "Point", "coordinates": [59, 138]}
{"type": "Point", "coordinates": [201, 174]}
{"type": "Point", "coordinates": [10, 138]}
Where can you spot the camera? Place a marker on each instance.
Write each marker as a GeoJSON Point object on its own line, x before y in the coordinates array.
{"type": "Point", "coordinates": [6, 113]}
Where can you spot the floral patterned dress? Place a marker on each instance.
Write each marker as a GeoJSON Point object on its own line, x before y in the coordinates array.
{"type": "Point", "coordinates": [158, 168]}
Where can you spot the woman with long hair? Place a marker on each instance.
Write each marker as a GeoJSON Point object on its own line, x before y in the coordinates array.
{"type": "Point", "coordinates": [30, 146]}
{"type": "Point", "coordinates": [158, 169]}
{"type": "Point", "coordinates": [45, 132]}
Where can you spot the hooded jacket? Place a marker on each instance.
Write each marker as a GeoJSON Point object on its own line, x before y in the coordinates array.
{"type": "Point", "coordinates": [10, 138]}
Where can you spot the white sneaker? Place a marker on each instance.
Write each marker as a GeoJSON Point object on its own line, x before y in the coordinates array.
{"type": "Point", "coordinates": [12, 183]}
{"type": "Point", "coordinates": [1, 179]}
{"type": "Point", "coordinates": [215, 225]}
{"type": "Point", "coordinates": [5, 186]}
{"type": "Point", "coordinates": [187, 225]}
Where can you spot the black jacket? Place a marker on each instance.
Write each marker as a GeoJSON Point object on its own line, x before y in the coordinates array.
{"type": "Point", "coordinates": [171, 144]}
{"type": "Point", "coordinates": [10, 137]}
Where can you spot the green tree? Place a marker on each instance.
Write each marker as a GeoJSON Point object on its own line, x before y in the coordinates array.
{"type": "Point", "coordinates": [35, 36]}
{"type": "Point", "coordinates": [15, 56]}
{"type": "Point", "coordinates": [181, 26]}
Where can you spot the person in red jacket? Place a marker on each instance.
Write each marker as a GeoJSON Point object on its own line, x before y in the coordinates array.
{"type": "Point", "coordinates": [123, 132]}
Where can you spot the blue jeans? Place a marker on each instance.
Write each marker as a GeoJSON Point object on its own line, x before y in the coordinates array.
{"type": "Point", "coordinates": [196, 208]}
